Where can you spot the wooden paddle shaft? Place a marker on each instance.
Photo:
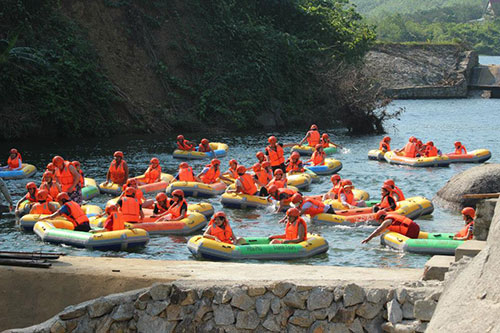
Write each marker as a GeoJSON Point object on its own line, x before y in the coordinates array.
{"type": "Point", "coordinates": [481, 196]}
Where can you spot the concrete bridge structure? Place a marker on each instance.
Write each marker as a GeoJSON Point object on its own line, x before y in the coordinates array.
{"type": "Point", "coordinates": [486, 77]}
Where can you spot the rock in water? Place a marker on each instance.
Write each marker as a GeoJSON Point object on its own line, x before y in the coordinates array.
{"type": "Point", "coordinates": [481, 179]}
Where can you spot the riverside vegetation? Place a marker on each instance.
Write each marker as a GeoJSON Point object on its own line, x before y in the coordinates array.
{"type": "Point", "coordinates": [83, 68]}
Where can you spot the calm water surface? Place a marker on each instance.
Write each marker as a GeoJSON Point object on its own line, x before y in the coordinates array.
{"type": "Point", "coordinates": [475, 122]}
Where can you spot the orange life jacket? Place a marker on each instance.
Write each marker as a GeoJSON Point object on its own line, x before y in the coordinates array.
{"type": "Point", "coordinates": [400, 224]}
{"type": "Point", "coordinates": [247, 184]}
{"type": "Point", "coordinates": [233, 173]}
{"type": "Point", "coordinates": [276, 157]}
{"type": "Point", "coordinates": [349, 196]}
{"type": "Point", "coordinates": [223, 234]}
{"type": "Point", "coordinates": [384, 146]}
{"type": "Point", "coordinates": [431, 151]}
{"type": "Point", "coordinates": [175, 209]}
{"type": "Point", "coordinates": [325, 143]}
{"type": "Point", "coordinates": [410, 149]}
{"type": "Point", "coordinates": [76, 213]}
{"type": "Point", "coordinates": [184, 145]}
{"type": "Point", "coordinates": [289, 193]}
{"type": "Point", "coordinates": [292, 229]}
{"type": "Point", "coordinates": [186, 175]}
{"type": "Point", "coordinates": [41, 208]}
{"type": "Point", "coordinates": [398, 193]}
{"type": "Point", "coordinates": [117, 173]}
{"type": "Point", "coordinates": [15, 162]}
{"type": "Point", "coordinates": [131, 209]}
{"type": "Point", "coordinates": [138, 194]}
{"type": "Point", "coordinates": [151, 175]}
{"type": "Point", "coordinates": [335, 190]}
{"type": "Point", "coordinates": [318, 158]}
{"type": "Point", "coordinates": [162, 209]}
{"type": "Point", "coordinates": [313, 138]}
{"type": "Point", "coordinates": [460, 150]}
{"type": "Point", "coordinates": [318, 207]}
{"type": "Point", "coordinates": [280, 183]}
{"type": "Point", "coordinates": [82, 178]}
{"type": "Point", "coordinates": [204, 149]}
{"type": "Point", "coordinates": [115, 222]}
{"type": "Point", "coordinates": [211, 175]}
{"type": "Point", "coordinates": [52, 189]}
{"type": "Point", "coordinates": [55, 177]}
{"type": "Point", "coordinates": [464, 230]}
{"type": "Point", "coordinates": [294, 166]}
{"type": "Point", "coordinates": [384, 203]}
{"type": "Point", "coordinates": [31, 198]}
{"type": "Point", "coordinates": [65, 176]}
{"type": "Point", "coordinates": [263, 176]}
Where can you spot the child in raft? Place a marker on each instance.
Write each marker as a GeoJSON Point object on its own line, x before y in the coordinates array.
{"type": "Point", "coordinates": [279, 179]}
{"type": "Point", "coordinates": [397, 193]}
{"type": "Point", "coordinates": [261, 176]}
{"type": "Point", "coordinates": [211, 172]}
{"type": "Point", "coordinates": [219, 230]}
{"type": "Point", "coordinates": [346, 196]}
{"type": "Point", "coordinates": [395, 223]}
{"type": "Point", "coordinates": [51, 186]}
{"type": "Point", "coordinates": [178, 207]}
{"type": "Point", "coordinates": [14, 161]}
{"type": "Point", "coordinates": [231, 172]}
{"type": "Point", "coordinates": [385, 144]}
{"type": "Point", "coordinates": [204, 147]}
{"type": "Point", "coordinates": [295, 229]}
{"type": "Point", "coordinates": [467, 232]}
{"type": "Point", "coordinates": [153, 173]}
{"type": "Point", "coordinates": [318, 157]}
{"type": "Point", "coordinates": [72, 211]}
{"type": "Point", "coordinates": [333, 193]}
{"type": "Point", "coordinates": [30, 196]}
{"type": "Point", "coordinates": [183, 144]}
{"type": "Point", "coordinates": [261, 157]}
{"type": "Point", "coordinates": [294, 164]}
{"type": "Point", "coordinates": [460, 148]}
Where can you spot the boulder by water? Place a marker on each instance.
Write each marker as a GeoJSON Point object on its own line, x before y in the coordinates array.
{"type": "Point", "coordinates": [481, 179]}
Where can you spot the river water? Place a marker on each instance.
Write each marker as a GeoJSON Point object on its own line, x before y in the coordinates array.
{"type": "Point", "coordinates": [473, 121]}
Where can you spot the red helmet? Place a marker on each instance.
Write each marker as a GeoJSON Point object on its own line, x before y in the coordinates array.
{"type": "Point", "coordinates": [241, 169]}
{"type": "Point", "coordinates": [130, 191]}
{"type": "Point", "coordinates": [178, 193]}
{"type": "Point", "coordinates": [469, 211]}
{"type": "Point", "coordinates": [347, 183]}
{"type": "Point", "coordinates": [76, 164]}
{"type": "Point", "coordinates": [111, 208]}
{"type": "Point", "coordinates": [62, 196]}
{"type": "Point", "coordinates": [389, 182]}
{"type": "Point", "coordinates": [215, 162]}
{"type": "Point", "coordinates": [131, 181]}
{"type": "Point", "coordinates": [318, 146]}
{"type": "Point", "coordinates": [161, 197]}
{"type": "Point", "coordinates": [278, 172]}
{"type": "Point", "coordinates": [272, 139]}
{"type": "Point", "coordinates": [204, 142]}
{"type": "Point", "coordinates": [380, 214]}
{"type": "Point", "coordinates": [296, 198]}
{"type": "Point", "coordinates": [220, 214]}
{"type": "Point", "coordinates": [183, 165]}
{"type": "Point", "coordinates": [335, 177]}
{"type": "Point", "coordinates": [430, 143]}
{"type": "Point", "coordinates": [154, 161]}
{"type": "Point", "coordinates": [233, 161]}
{"type": "Point", "coordinates": [293, 212]}
{"type": "Point", "coordinates": [259, 155]}
{"type": "Point", "coordinates": [295, 155]}
{"type": "Point", "coordinates": [314, 127]}
{"type": "Point", "coordinates": [325, 136]}
{"type": "Point", "coordinates": [266, 164]}
{"type": "Point", "coordinates": [256, 167]}
{"type": "Point", "coordinates": [42, 195]}
{"type": "Point", "coordinates": [272, 189]}
{"type": "Point", "coordinates": [180, 137]}
{"type": "Point", "coordinates": [387, 139]}
{"type": "Point", "coordinates": [14, 151]}
{"type": "Point", "coordinates": [387, 187]}
{"type": "Point", "coordinates": [46, 175]}
{"type": "Point", "coordinates": [458, 143]}
{"type": "Point", "coordinates": [51, 166]}
{"type": "Point", "coordinates": [118, 154]}
{"type": "Point", "coordinates": [31, 185]}
{"type": "Point", "coordinates": [57, 161]}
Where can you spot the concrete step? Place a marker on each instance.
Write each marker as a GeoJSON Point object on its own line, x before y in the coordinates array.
{"type": "Point", "coordinates": [436, 267]}
{"type": "Point", "coordinates": [469, 248]}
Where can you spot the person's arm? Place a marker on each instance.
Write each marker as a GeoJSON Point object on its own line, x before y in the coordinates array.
{"type": "Point", "coordinates": [381, 228]}
{"type": "Point", "coordinates": [125, 168]}
{"type": "Point", "coordinates": [304, 139]}
{"type": "Point", "coordinates": [55, 214]}
{"type": "Point", "coordinates": [300, 236]}
{"type": "Point", "coordinates": [108, 177]}
{"type": "Point", "coordinates": [206, 234]}
{"type": "Point", "coordinates": [6, 194]}
{"type": "Point", "coordinates": [181, 216]}
{"type": "Point", "coordinates": [466, 237]}
{"type": "Point", "coordinates": [343, 200]}
{"type": "Point", "coordinates": [76, 178]}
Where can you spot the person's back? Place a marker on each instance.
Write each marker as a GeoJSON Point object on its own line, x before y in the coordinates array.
{"type": "Point", "coordinates": [410, 150]}
{"type": "Point", "coordinates": [130, 208]}
{"type": "Point", "coordinates": [403, 225]}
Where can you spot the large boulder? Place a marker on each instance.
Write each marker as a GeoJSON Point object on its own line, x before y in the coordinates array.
{"type": "Point", "coordinates": [481, 179]}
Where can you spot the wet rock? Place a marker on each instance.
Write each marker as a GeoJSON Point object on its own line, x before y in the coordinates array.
{"type": "Point", "coordinates": [247, 320]}
{"type": "Point", "coordinates": [293, 299]}
{"type": "Point", "coordinates": [242, 301]}
{"type": "Point", "coordinates": [157, 307]}
{"type": "Point", "coordinates": [262, 306]}
{"type": "Point", "coordinates": [301, 318]}
{"type": "Point", "coordinates": [160, 292]}
{"type": "Point", "coordinates": [256, 291]}
{"type": "Point", "coordinates": [376, 295]}
{"type": "Point", "coordinates": [394, 312]}
{"type": "Point", "coordinates": [319, 298]}
{"type": "Point", "coordinates": [353, 294]}
{"type": "Point", "coordinates": [424, 309]}
{"type": "Point", "coordinates": [369, 310]}
{"type": "Point", "coordinates": [72, 312]}
{"type": "Point", "coordinates": [280, 289]}
{"type": "Point", "coordinates": [123, 312]}
{"type": "Point", "coordinates": [271, 323]}
{"type": "Point", "coordinates": [223, 315]}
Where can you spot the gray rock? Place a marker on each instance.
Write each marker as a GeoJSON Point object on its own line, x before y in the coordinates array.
{"type": "Point", "coordinates": [353, 294]}
{"type": "Point", "coordinates": [280, 289]}
{"type": "Point", "coordinates": [320, 314]}
{"type": "Point", "coordinates": [118, 327]}
{"type": "Point", "coordinates": [99, 308]}
{"type": "Point", "coordinates": [408, 311]}
{"type": "Point", "coordinates": [256, 291]}
{"type": "Point", "coordinates": [435, 296]}
{"type": "Point", "coordinates": [275, 305]}
{"type": "Point", "coordinates": [373, 325]}
{"type": "Point", "coordinates": [424, 309]}
{"type": "Point", "coordinates": [140, 305]}
{"type": "Point", "coordinates": [72, 312]}
{"type": "Point", "coordinates": [356, 326]}
{"type": "Point", "coordinates": [242, 301]}
{"type": "Point", "coordinates": [290, 328]}
{"type": "Point", "coordinates": [319, 326]}
{"type": "Point", "coordinates": [293, 300]}
{"type": "Point", "coordinates": [319, 298]}
{"type": "Point", "coordinates": [203, 308]}
{"type": "Point", "coordinates": [421, 327]}
{"type": "Point", "coordinates": [262, 306]}
{"type": "Point", "coordinates": [222, 296]}
{"type": "Point", "coordinates": [58, 327]}
{"type": "Point", "coordinates": [104, 324]}
{"type": "Point", "coordinates": [174, 312]}
{"type": "Point", "coordinates": [271, 323]}
{"type": "Point", "coordinates": [332, 310]}
{"type": "Point", "coordinates": [147, 323]}
{"type": "Point", "coordinates": [223, 315]}
{"type": "Point", "coordinates": [144, 297]}
{"type": "Point", "coordinates": [337, 328]}
{"type": "Point", "coordinates": [338, 292]}
{"type": "Point", "coordinates": [190, 298]}
{"type": "Point", "coordinates": [403, 327]}
{"type": "Point", "coordinates": [301, 318]}
{"type": "Point", "coordinates": [485, 210]}
{"type": "Point", "coordinates": [207, 293]}
{"type": "Point", "coordinates": [401, 295]}
{"type": "Point", "coordinates": [345, 315]}
{"type": "Point", "coordinates": [394, 312]}
{"type": "Point", "coordinates": [123, 312]}
{"type": "Point", "coordinates": [376, 295]}
{"type": "Point", "coordinates": [156, 307]}
{"type": "Point", "coordinates": [160, 292]}
{"type": "Point", "coordinates": [369, 310]}
{"type": "Point", "coordinates": [247, 320]}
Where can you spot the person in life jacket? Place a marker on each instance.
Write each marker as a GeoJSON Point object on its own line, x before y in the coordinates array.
{"type": "Point", "coordinates": [178, 209]}
{"type": "Point", "coordinates": [219, 230]}
{"type": "Point", "coordinates": [282, 195]}
{"type": "Point", "coordinates": [385, 144]}
{"type": "Point", "coordinates": [42, 206]}
{"type": "Point", "coordinates": [118, 170]}
{"type": "Point", "coordinates": [130, 206]}
{"type": "Point", "coordinates": [48, 184]}
{"type": "Point", "coordinates": [325, 141]}
{"type": "Point", "coordinates": [30, 196]}
{"type": "Point", "coordinates": [71, 211]}
{"type": "Point", "coordinates": [333, 193]}
{"type": "Point", "coordinates": [184, 144]}
{"type": "Point", "coordinates": [294, 164]}
{"type": "Point", "coordinates": [312, 136]}
{"type": "Point", "coordinates": [318, 157]}
{"type": "Point", "coordinates": [139, 195]}
{"type": "Point", "coordinates": [245, 183]}
{"type": "Point", "coordinates": [310, 206]}
{"type": "Point", "coordinates": [185, 174]}
{"type": "Point", "coordinates": [387, 202]}
{"type": "Point", "coordinates": [295, 229]}
{"type": "Point", "coordinates": [266, 166]}
{"type": "Point", "coordinates": [153, 173]}
{"type": "Point", "coordinates": [69, 178]}
{"type": "Point", "coordinates": [467, 232]}
{"type": "Point", "coordinates": [420, 148]}
{"type": "Point", "coordinates": [261, 157]}
{"type": "Point", "coordinates": [204, 147]}
{"type": "Point", "coordinates": [346, 196]}
{"type": "Point", "coordinates": [262, 178]}
{"type": "Point", "coordinates": [430, 149]}
{"type": "Point", "coordinates": [279, 179]}
{"type": "Point", "coordinates": [460, 148]}
{"type": "Point", "coordinates": [231, 172]}
{"type": "Point", "coordinates": [52, 169]}
{"type": "Point", "coordinates": [275, 153]}
{"type": "Point", "coordinates": [14, 161]}
{"type": "Point", "coordinates": [161, 205]}
{"type": "Point", "coordinates": [410, 149]}
{"type": "Point", "coordinates": [77, 166]}
{"type": "Point", "coordinates": [211, 173]}
{"type": "Point", "coordinates": [395, 223]}
{"type": "Point", "coordinates": [397, 193]}
{"type": "Point", "coordinates": [115, 220]}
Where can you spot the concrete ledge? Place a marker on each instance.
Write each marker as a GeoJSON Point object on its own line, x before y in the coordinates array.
{"type": "Point", "coordinates": [436, 267]}
{"type": "Point", "coordinates": [469, 248]}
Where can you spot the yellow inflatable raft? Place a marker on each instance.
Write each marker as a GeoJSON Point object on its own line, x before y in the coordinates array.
{"type": "Point", "coordinates": [26, 170]}
{"type": "Point", "coordinates": [299, 180]}
{"type": "Point", "coordinates": [196, 189]}
{"type": "Point", "coordinates": [331, 166]}
{"type": "Point", "coordinates": [220, 150]}
{"type": "Point", "coordinates": [436, 161]}
{"type": "Point", "coordinates": [91, 190]}
{"type": "Point", "coordinates": [376, 154]}
{"type": "Point", "coordinates": [243, 201]}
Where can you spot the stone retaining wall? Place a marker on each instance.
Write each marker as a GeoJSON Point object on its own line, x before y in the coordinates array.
{"type": "Point", "coordinates": [275, 307]}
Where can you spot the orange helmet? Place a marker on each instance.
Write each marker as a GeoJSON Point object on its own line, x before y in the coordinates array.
{"type": "Point", "coordinates": [183, 165]}
{"type": "Point", "coordinates": [180, 137]}
{"type": "Point", "coordinates": [233, 161]}
{"type": "Point", "coordinates": [220, 214]}
{"type": "Point", "coordinates": [314, 127]}
{"type": "Point", "coordinates": [178, 193]}
{"type": "Point", "coordinates": [241, 169]}
{"type": "Point", "coordinates": [387, 187]}
{"type": "Point", "coordinates": [46, 175]}
{"type": "Point", "coordinates": [335, 177]}
{"type": "Point", "coordinates": [347, 183]}
{"type": "Point", "coordinates": [62, 196]}
{"type": "Point", "coordinates": [469, 211]}
{"type": "Point", "coordinates": [204, 142]}
{"type": "Point", "coordinates": [256, 167]}
{"type": "Point", "coordinates": [130, 191]}
{"type": "Point", "coordinates": [389, 182]}
{"type": "Point", "coordinates": [161, 197]}
{"type": "Point", "coordinates": [325, 136]}
{"type": "Point", "coordinates": [458, 143]}
{"type": "Point", "coordinates": [295, 155]}
{"type": "Point", "coordinates": [51, 166]}
{"type": "Point", "coordinates": [42, 195]}
{"type": "Point", "coordinates": [76, 164]}
{"type": "Point", "coordinates": [380, 214]}
{"type": "Point", "coordinates": [278, 172]}
{"type": "Point", "coordinates": [131, 181]}
{"type": "Point", "coordinates": [318, 146]}
{"type": "Point", "coordinates": [293, 212]}
{"type": "Point", "coordinates": [111, 208]}
{"type": "Point", "coordinates": [272, 139]}
{"type": "Point", "coordinates": [296, 198]}
{"type": "Point", "coordinates": [14, 151]}
{"type": "Point", "coordinates": [154, 161]}
{"type": "Point", "coordinates": [259, 155]}
{"type": "Point", "coordinates": [272, 189]}
{"type": "Point", "coordinates": [387, 139]}
{"type": "Point", "coordinates": [58, 161]}
{"type": "Point", "coordinates": [430, 143]}
{"type": "Point", "coordinates": [31, 185]}
{"type": "Point", "coordinates": [215, 162]}
{"type": "Point", "coordinates": [118, 154]}
{"type": "Point", "coordinates": [266, 164]}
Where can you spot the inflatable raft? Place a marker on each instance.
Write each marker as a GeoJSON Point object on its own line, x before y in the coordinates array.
{"type": "Point", "coordinates": [257, 248]}
{"type": "Point", "coordinates": [220, 150]}
{"type": "Point", "coordinates": [110, 188]}
{"type": "Point", "coordinates": [155, 187]}
{"type": "Point", "coordinates": [299, 180]}
{"type": "Point", "coordinates": [110, 240]}
{"type": "Point", "coordinates": [307, 150]}
{"type": "Point", "coordinates": [91, 190]}
{"type": "Point", "coordinates": [196, 189]}
{"type": "Point", "coordinates": [26, 170]}
{"type": "Point", "coordinates": [435, 161]}
{"type": "Point", "coordinates": [331, 166]}
{"type": "Point", "coordinates": [376, 154]}
{"type": "Point", "coordinates": [426, 243]}
{"type": "Point", "coordinates": [474, 156]}
{"type": "Point", "coordinates": [244, 201]}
